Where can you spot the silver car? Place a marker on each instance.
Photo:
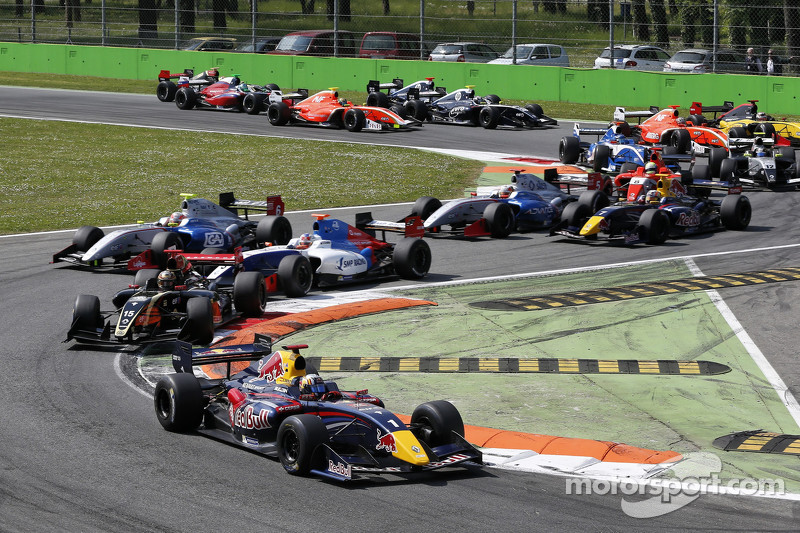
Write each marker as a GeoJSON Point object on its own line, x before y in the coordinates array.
{"type": "Point", "coordinates": [633, 57]}
{"type": "Point", "coordinates": [463, 52]}
{"type": "Point", "coordinates": [699, 60]}
{"type": "Point", "coordinates": [535, 54]}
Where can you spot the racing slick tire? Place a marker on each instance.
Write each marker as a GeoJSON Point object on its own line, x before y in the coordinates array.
{"type": "Point", "coordinates": [298, 438]}
{"type": "Point", "coordinates": [199, 325]}
{"type": "Point", "coordinates": [784, 156]}
{"type": "Point", "coordinates": [764, 130]}
{"type": "Point", "coordinates": [501, 219]}
{"type": "Point", "coordinates": [354, 120]}
{"type": "Point", "coordinates": [697, 120]}
{"type": "Point", "coordinates": [141, 276]}
{"type": "Point", "coordinates": [166, 240]}
{"type": "Point", "coordinates": [715, 157]}
{"type": "Point", "coordinates": [601, 155]}
{"type": "Point", "coordinates": [489, 117]}
{"type": "Point", "coordinates": [569, 149]}
{"type": "Point", "coordinates": [250, 293]}
{"type": "Point", "coordinates": [735, 212]}
{"type": "Point", "coordinates": [436, 421]}
{"type": "Point", "coordinates": [272, 87]}
{"type": "Point", "coordinates": [681, 139]}
{"type": "Point", "coordinates": [206, 270]}
{"type": "Point", "coordinates": [278, 114]}
{"type": "Point", "coordinates": [628, 167]}
{"type": "Point", "coordinates": [378, 99]}
{"type": "Point", "coordinates": [727, 169]}
{"type": "Point", "coordinates": [416, 109]}
{"type": "Point", "coordinates": [425, 206]}
{"type": "Point", "coordinates": [536, 109]}
{"type": "Point", "coordinates": [492, 98]}
{"type": "Point", "coordinates": [253, 103]}
{"type": "Point", "coordinates": [185, 98]}
{"type": "Point", "coordinates": [737, 133]}
{"type": "Point", "coordinates": [399, 110]}
{"type": "Point", "coordinates": [86, 312]}
{"type": "Point", "coordinates": [594, 200]}
{"type": "Point", "coordinates": [274, 229]}
{"type": "Point", "coordinates": [576, 214]}
{"type": "Point", "coordinates": [654, 226]}
{"type": "Point", "coordinates": [669, 150]}
{"type": "Point", "coordinates": [701, 172]}
{"type": "Point", "coordinates": [295, 275]}
{"type": "Point", "coordinates": [178, 401]}
{"type": "Point", "coordinates": [86, 237]}
{"type": "Point", "coordinates": [165, 91]}
{"type": "Point", "coordinates": [623, 128]}
{"type": "Point", "coordinates": [797, 165]}
{"type": "Point", "coordinates": [411, 258]}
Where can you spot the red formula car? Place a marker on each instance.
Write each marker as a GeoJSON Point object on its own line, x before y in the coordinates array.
{"type": "Point", "coordinates": [325, 109]}
{"type": "Point", "coordinates": [667, 127]}
{"type": "Point", "coordinates": [227, 93]}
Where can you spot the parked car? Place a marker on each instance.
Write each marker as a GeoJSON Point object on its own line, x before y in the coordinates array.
{"type": "Point", "coordinates": [210, 44]}
{"type": "Point", "coordinates": [633, 57]}
{"type": "Point", "coordinates": [699, 60]}
{"type": "Point", "coordinates": [390, 45]}
{"type": "Point", "coordinates": [262, 45]}
{"type": "Point", "coordinates": [534, 54]}
{"type": "Point", "coordinates": [463, 52]}
{"type": "Point", "coordinates": [317, 43]}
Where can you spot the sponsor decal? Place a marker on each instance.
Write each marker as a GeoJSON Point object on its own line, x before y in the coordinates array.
{"type": "Point", "coordinates": [350, 262]}
{"type": "Point", "coordinates": [272, 369]}
{"type": "Point", "coordinates": [138, 264]}
{"type": "Point", "coordinates": [692, 218]}
{"type": "Point", "coordinates": [386, 442]}
{"type": "Point", "coordinates": [245, 418]}
{"type": "Point", "coordinates": [288, 408]}
{"type": "Point", "coordinates": [653, 136]}
{"type": "Point", "coordinates": [415, 449]}
{"type": "Point", "coordinates": [457, 458]}
{"type": "Point", "coordinates": [214, 239]}
{"type": "Point", "coordinates": [340, 469]}
{"type": "Point", "coordinates": [335, 225]}
{"type": "Point", "coordinates": [250, 386]}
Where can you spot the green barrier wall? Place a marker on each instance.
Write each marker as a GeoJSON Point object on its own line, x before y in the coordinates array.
{"type": "Point", "coordinates": [778, 95]}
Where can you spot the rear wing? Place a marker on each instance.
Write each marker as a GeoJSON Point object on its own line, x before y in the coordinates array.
{"type": "Point", "coordinates": [621, 115]}
{"type": "Point", "coordinates": [697, 108]}
{"type": "Point", "coordinates": [184, 357]}
{"type": "Point", "coordinates": [415, 94]}
{"type": "Point", "coordinates": [374, 86]}
{"type": "Point", "coordinates": [411, 226]}
{"type": "Point", "coordinates": [272, 206]}
{"type": "Point", "coordinates": [146, 259]}
{"type": "Point", "coordinates": [577, 131]}
{"type": "Point", "coordinates": [742, 143]}
{"type": "Point", "coordinates": [166, 75]}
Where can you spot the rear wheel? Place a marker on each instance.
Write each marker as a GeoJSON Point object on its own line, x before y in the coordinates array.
{"type": "Point", "coordinates": [141, 276]}
{"type": "Point", "coordinates": [354, 120]}
{"type": "Point", "coordinates": [165, 91]}
{"type": "Point", "coordinates": [489, 117]}
{"type": "Point", "coordinates": [378, 99]}
{"type": "Point", "coordinates": [501, 219]}
{"type": "Point", "coordinates": [764, 129]}
{"type": "Point", "coordinates": [295, 275]}
{"type": "Point", "coordinates": [411, 258]}
{"type": "Point", "coordinates": [178, 401]}
{"type": "Point", "coordinates": [274, 229]}
{"type": "Point", "coordinates": [569, 149]}
{"type": "Point", "coordinates": [628, 167]}
{"type": "Point", "coordinates": [492, 98]}
{"type": "Point", "coordinates": [86, 237]}
{"type": "Point", "coordinates": [166, 240]}
{"type": "Point", "coordinates": [701, 172]}
{"type": "Point", "coordinates": [185, 98]}
{"type": "Point", "coordinates": [278, 114]}
{"type": "Point", "coordinates": [435, 422]}
{"type": "Point", "coordinates": [715, 157]}
{"type": "Point", "coordinates": [86, 312]}
{"type": "Point", "coordinates": [199, 326]}
{"type": "Point", "coordinates": [250, 293]}
{"type": "Point", "coordinates": [602, 153]}
{"type": "Point", "coordinates": [576, 214]}
{"type": "Point", "coordinates": [594, 200]}
{"type": "Point", "coordinates": [697, 120]}
{"type": "Point", "coordinates": [737, 133]}
{"type": "Point", "coordinates": [727, 169]}
{"type": "Point", "coordinates": [425, 207]}
{"type": "Point", "coordinates": [655, 226]}
{"type": "Point", "coordinates": [298, 438]}
{"type": "Point", "coordinates": [735, 212]}
{"type": "Point", "coordinates": [416, 109]}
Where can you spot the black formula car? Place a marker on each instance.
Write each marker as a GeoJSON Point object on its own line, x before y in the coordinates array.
{"type": "Point", "coordinates": [148, 312]}
{"type": "Point", "coordinates": [757, 163]}
{"type": "Point", "coordinates": [410, 100]}
{"type": "Point", "coordinates": [464, 107]}
{"type": "Point", "coordinates": [277, 407]}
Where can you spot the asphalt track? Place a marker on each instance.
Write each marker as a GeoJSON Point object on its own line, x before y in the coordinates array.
{"type": "Point", "coordinates": [82, 451]}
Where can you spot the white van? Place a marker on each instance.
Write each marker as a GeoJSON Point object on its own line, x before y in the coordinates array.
{"type": "Point", "coordinates": [535, 54]}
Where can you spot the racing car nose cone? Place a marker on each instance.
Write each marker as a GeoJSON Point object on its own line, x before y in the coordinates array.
{"type": "Point", "coordinates": [409, 449]}
{"type": "Point", "coordinates": [593, 226]}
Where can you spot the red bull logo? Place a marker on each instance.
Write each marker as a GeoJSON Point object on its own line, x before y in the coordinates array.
{"type": "Point", "coordinates": [246, 419]}
{"type": "Point", "coordinates": [341, 469]}
{"type": "Point", "coordinates": [386, 442]}
{"type": "Point", "coordinates": [272, 369]}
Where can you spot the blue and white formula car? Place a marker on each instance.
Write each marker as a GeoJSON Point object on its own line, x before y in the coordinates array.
{"type": "Point", "coordinates": [199, 225]}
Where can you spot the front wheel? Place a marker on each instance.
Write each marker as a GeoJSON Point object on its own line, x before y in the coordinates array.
{"type": "Point", "coordinates": [655, 226]}
{"type": "Point", "coordinates": [602, 154]}
{"type": "Point", "coordinates": [250, 293]}
{"type": "Point", "coordinates": [412, 258]}
{"type": "Point", "coordinates": [575, 215]}
{"type": "Point", "coordinates": [178, 401]}
{"type": "Point", "coordinates": [501, 219]}
{"type": "Point", "coordinates": [185, 98]}
{"type": "Point", "coordinates": [199, 326]}
{"type": "Point", "coordinates": [166, 240]}
{"type": "Point", "coordinates": [681, 139]}
{"type": "Point", "coordinates": [435, 422]}
{"type": "Point", "coordinates": [416, 109]}
{"type": "Point", "coordinates": [489, 117]}
{"type": "Point", "coordinates": [278, 114]}
{"type": "Point", "coordinates": [354, 120]}
{"type": "Point", "coordinates": [86, 312]}
{"type": "Point", "coordinates": [297, 440]}
{"type": "Point", "coordinates": [569, 149]}
{"type": "Point", "coordinates": [86, 237]}
{"type": "Point", "coordinates": [295, 275]}
{"type": "Point", "coordinates": [425, 206]}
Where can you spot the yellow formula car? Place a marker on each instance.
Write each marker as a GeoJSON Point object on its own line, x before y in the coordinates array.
{"type": "Point", "coordinates": [745, 120]}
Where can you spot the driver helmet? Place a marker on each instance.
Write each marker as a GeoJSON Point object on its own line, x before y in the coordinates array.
{"type": "Point", "coordinates": [244, 88]}
{"type": "Point", "coordinates": [166, 280]}
{"type": "Point", "coordinates": [312, 384]}
{"type": "Point", "coordinates": [505, 191]}
{"type": "Point", "coordinates": [343, 102]}
{"type": "Point", "coordinates": [681, 121]}
{"type": "Point", "coordinates": [761, 116]}
{"type": "Point", "coordinates": [304, 241]}
{"type": "Point", "coordinates": [175, 218]}
{"type": "Point", "coordinates": [650, 168]}
{"type": "Point", "coordinates": [653, 197]}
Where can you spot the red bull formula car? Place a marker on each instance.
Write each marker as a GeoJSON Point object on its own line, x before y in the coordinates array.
{"type": "Point", "coordinates": [280, 408]}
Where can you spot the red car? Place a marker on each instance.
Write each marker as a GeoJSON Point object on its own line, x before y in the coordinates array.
{"type": "Point", "coordinates": [669, 128]}
{"type": "Point", "coordinates": [325, 109]}
{"type": "Point", "coordinates": [226, 93]}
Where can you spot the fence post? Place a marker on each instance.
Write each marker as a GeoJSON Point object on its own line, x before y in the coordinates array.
{"type": "Point", "coordinates": [103, 22]}
{"type": "Point", "coordinates": [176, 23]}
{"type": "Point", "coordinates": [611, 31]}
{"type": "Point", "coordinates": [715, 38]}
{"type": "Point", "coordinates": [421, 28]}
{"type": "Point", "coordinates": [335, 28]}
{"type": "Point", "coordinates": [33, 21]}
{"type": "Point", "coordinates": [253, 21]}
{"type": "Point", "coordinates": [514, 33]}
